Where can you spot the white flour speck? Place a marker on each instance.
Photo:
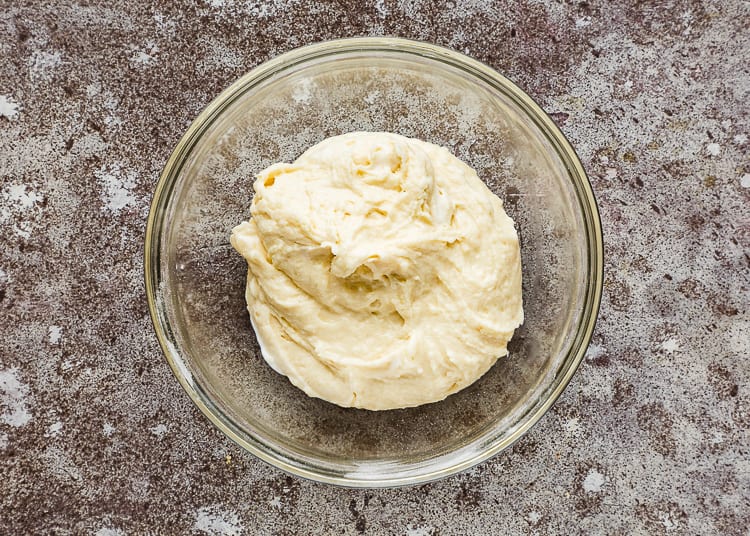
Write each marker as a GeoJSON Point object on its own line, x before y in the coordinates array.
{"type": "Point", "coordinates": [141, 57]}
{"type": "Point", "coordinates": [112, 121]}
{"type": "Point", "coordinates": [17, 194]}
{"type": "Point", "coordinates": [745, 180]}
{"type": "Point", "coordinates": [594, 481]}
{"type": "Point", "coordinates": [111, 103]}
{"type": "Point", "coordinates": [55, 334]}
{"type": "Point", "coordinates": [220, 55]}
{"type": "Point", "coordinates": [9, 108]}
{"type": "Point", "coordinates": [583, 22]}
{"type": "Point", "coordinates": [92, 90]}
{"type": "Point", "coordinates": [303, 91]}
{"type": "Point", "coordinates": [41, 61]}
{"type": "Point", "coordinates": [217, 522]}
{"type": "Point", "coordinates": [54, 429]}
{"type": "Point", "coordinates": [381, 8]}
{"type": "Point", "coordinates": [533, 517]}
{"type": "Point", "coordinates": [15, 200]}
{"type": "Point", "coordinates": [140, 486]}
{"type": "Point", "coordinates": [611, 173]}
{"type": "Point", "coordinates": [116, 186]}
{"type": "Point", "coordinates": [13, 401]}
{"type": "Point", "coordinates": [108, 429]}
{"type": "Point", "coordinates": [159, 430]}
{"type": "Point", "coordinates": [594, 351]}
{"type": "Point", "coordinates": [275, 502]}
{"type": "Point", "coordinates": [739, 138]}
{"type": "Point", "coordinates": [165, 23]}
{"type": "Point", "coordinates": [58, 463]}
{"type": "Point", "coordinates": [23, 229]}
{"type": "Point", "coordinates": [107, 531]}
{"type": "Point", "coordinates": [145, 56]}
{"type": "Point", "coordinates": [68, 364]}
{"type": "Point", "coordinates": [573, 426]}
{"type": "Point", "coordinates": [249, 10]}
{"type": "Point", "coordinates": [419, 530]}
{"type": "Point", "coordinates": [89, 145]}
{"type": "Point", "coordinates": [670, 345]}
{"type": "Point", "coordinates": [666, 520]}
{"type": "Point", "coordinates": [713, 149]}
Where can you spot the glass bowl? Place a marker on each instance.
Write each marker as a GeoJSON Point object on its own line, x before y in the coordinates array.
{"type": "Point", "coordinates": [195, 280]}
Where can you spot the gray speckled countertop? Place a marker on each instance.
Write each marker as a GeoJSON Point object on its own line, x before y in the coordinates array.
{"type": "Point", "coordinates": [651, 437]}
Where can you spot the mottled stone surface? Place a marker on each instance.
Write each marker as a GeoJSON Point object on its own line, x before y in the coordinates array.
{"type": "Point", "coordinates": [97, 437]}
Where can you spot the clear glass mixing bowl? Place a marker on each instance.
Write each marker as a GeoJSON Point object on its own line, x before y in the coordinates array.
{"type": "Point", "coordinates": [195, 281]}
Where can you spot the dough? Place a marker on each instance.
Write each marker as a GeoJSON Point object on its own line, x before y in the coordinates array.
{"type": "Point", "coordinates": [383, 273]}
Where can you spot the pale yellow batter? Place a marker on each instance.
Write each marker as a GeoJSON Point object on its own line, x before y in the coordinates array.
{"type": "Point", "coordinates": [383, 273]}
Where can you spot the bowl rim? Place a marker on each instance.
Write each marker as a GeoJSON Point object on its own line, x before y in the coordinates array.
{"type": "Point", "coordinates": [590, 213]}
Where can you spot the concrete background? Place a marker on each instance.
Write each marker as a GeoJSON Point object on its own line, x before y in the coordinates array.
{"type": "Point", "coordinates": [97, 437]}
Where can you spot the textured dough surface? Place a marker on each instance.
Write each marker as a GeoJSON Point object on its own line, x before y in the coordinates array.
{"type": "Point", "coordinates": [382, 272]}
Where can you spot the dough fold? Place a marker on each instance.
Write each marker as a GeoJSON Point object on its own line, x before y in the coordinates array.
{"type": "Point", "coordinates": [382, 272]}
